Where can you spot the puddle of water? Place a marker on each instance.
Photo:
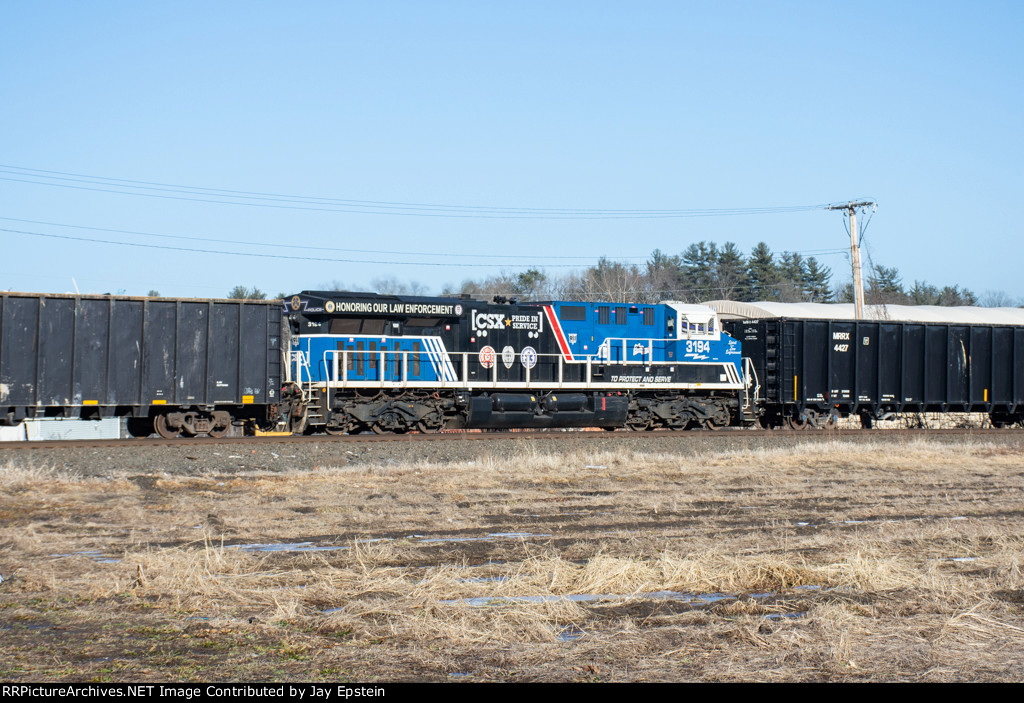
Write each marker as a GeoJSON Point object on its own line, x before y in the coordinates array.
{"type": "Point", "coordinates": [570, 634]}
{"type": "Point", "coordinates": [288, 547]}
{"type": "Point", "coordinates": [489, 538]}
{"type": "Point", "coordinates": [94, 554]}
{"type": "Point", "coordinates": [784, 616]}
{"type": "Point", "coordinates": [697, 599]}
{"type": "Point", "coordinates": [421, 539]}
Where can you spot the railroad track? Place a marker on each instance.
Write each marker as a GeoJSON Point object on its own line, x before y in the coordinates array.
{"type": "Point", "coordinates": [724, 436]}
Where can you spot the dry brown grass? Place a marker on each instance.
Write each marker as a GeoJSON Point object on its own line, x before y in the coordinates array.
{"type": "Point", "coordinates": [887, 561]}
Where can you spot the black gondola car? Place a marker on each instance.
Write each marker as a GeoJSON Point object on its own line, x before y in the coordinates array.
{"type": "Point", "coordinates": [811, 371]}
{"type": "Point", "coordinates": [179, 366]}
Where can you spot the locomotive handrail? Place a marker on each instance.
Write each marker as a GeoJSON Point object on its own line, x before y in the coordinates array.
{"type": "Point", "coordinates": [647, 344]}
{"type": "Point", "coordinates": [750, 379]}
{"type": "Point", "coordinates": [336, 362]}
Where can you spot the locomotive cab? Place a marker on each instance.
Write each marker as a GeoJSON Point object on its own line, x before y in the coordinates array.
{"type": "Point", "coordinates": [693, 322]}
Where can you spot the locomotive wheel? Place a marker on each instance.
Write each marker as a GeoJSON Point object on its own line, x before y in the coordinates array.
{"type": "Point", "coordinates": [423, 427]}
{"type": "Point", "coordinates": [639, 423]}
{"type": "Point", "coordinates": [163, 429]}
{"type": "Point", "coordinates": [709, 424]}
{"type": "Point", "coordinates": [334, 431]}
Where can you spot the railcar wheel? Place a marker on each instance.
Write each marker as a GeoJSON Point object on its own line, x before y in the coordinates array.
{"type": "Point", "coordinates": [797, 423]}
{"type": "Point", "coordinates": [219, 431]}
{"type": "Point", "coordinates": [831, 422]}
{"type": "Point", "coordinates": [163, 429]}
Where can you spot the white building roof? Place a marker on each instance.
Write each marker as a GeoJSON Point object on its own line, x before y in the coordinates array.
{"type": "Point", "coordinates": [732, 310]}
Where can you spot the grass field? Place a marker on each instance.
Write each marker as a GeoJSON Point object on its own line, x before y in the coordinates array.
{"type": "Point", "coordinates": [895, 561]}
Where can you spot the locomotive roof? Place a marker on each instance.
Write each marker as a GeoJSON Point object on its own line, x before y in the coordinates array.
{"type": "Point", "coordinates": [733, 310]}
{"type": "Point", "coordinates": [354, 295]}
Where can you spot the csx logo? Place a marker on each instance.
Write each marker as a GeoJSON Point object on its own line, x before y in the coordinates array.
{"type": "Point", "coordinates": [487, 321]}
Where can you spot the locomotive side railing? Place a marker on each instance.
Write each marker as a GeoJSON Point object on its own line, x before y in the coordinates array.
{"type": "Point", "coordinates": [629, 345]}
{"type": "Point", "coordinates": [391, 370]}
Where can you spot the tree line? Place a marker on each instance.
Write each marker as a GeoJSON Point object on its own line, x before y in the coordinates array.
{"type": "Point", "coordinates": [707, 271]}
{"type": "Point", "coordinates": [703, 271]}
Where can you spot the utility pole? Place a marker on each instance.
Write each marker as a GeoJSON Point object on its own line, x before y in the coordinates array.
{"type": "Point", "coordinates": [858, 280]}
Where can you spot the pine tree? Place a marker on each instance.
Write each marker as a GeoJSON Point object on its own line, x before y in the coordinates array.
{"type": "Point", "coordinates": [792, 272]}
{"type": "Point", "coordinates": [731, 281]}
{"type": "Point", "coordinates": [763, 274]}
{"type": "Point", "coordinates": [885, 285]}
{"type": "Point", "coordinates": [698, 270]}
{"type": "Point", "coordinates": [817, 282]}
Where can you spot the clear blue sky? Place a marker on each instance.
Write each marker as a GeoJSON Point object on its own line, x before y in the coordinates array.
{"type": "Point", "coordinates": [571, 105]}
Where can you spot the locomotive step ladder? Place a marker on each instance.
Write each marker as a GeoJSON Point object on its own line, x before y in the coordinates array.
{"type": "Point", "coordinates": [310, 396]}
{"type": "Point", "coordinates": [751, 393]}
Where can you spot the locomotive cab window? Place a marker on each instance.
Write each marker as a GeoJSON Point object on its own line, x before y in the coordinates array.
{"type": "Point", "coordinates": [696, 327]}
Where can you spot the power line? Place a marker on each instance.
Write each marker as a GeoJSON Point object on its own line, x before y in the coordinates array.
{"type": "Point", "coordinates": [152, 189]}
{"type": "Point", "coordinates": [249, 243]}
{"type": "Point", "coordinates": [275, 256]}
{"type": "Point", "coordinates": [212, 240]}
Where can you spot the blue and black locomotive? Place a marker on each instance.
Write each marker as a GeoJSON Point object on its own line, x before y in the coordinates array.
{"type": "Point", "coordinates": [397, 363]}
